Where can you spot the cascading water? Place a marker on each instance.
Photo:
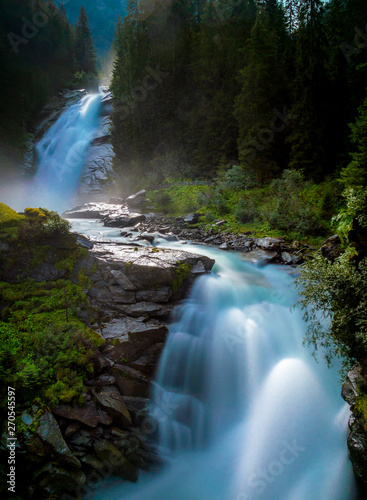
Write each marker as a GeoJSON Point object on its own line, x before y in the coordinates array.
{"type": "Point", "coordinates": [243, 409]}
{"type": "Point", "coordinates": [61, 154]}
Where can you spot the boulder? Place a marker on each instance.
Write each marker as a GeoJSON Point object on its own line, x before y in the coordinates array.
{"type": "Point", "coordinates": [192, 218]}
{"type": "Point", "coordinates": [120, 219]}
{"type": "Point", "coordinates": [102, 381]}
{"type": "Point", "coordinates": [350, 386]}
{"type": "Point", "coordinates": [108, 454]}
{"type": "Point", "coordinates": [136, 200]}
{"type": "Point", "coordinates": [147, 363]}
{"type": "Point", "coordinates": [90, 211]}
{"type": "Point", "coordinates": [110, 399]}
{"type": "Point", "coordinates": [57, 482]}
{"type": "Point", "coordinates": [89, 414]}
{"type": "Point", "coordinates": [259, 257]}
{"type": "Point", "coordinates": [131, 382]}
{"type": "Point", "coordinates": [331, 248]}
{"type": "Point", "coordinates": [268, 243]}
{"type": "Point", "coordinates": [286, 258]}
{"type": "Point", "coordinates": [54, 444]}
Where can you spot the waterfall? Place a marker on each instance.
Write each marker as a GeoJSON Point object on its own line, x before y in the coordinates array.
{"type": "Point", "coordinates": [244, 410]}
{"type": "Point", "coordinates": [61, 154]}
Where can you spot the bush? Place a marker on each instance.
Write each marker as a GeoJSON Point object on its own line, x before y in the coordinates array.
{"type": "Point", "coordinates": [247, 209]}
{"type": "Point", "coordinates": [45, 350]}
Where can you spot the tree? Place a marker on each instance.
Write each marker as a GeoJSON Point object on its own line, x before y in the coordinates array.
{"type": "Point", "coordinates": [355, 174]}
{"type": "Point", "coordinates": [263, 88]}
{"type": "Point", "coordinates": [84, 47]}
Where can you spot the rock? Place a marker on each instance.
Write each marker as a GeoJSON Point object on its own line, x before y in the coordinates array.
{"type": "Point", "coordinates": [110, 399]}
{"type": "Point", "coordinates": [49, 433]}
{"type": "Point", "coordinates": [147, 237]}
{"type": "Point", "coordinates": [89, 414]}
{"type": "Point", "coordinates": [72, 429]}
{"type": "Point", "coordinates": [192, 218]}
{"type": "Point", "coordinates": [268, 243]}
{"type": "Point", "coordinates": [350, 386]}
{"type": "Point", "coordinates": [119, 219]}
{"type": "Point", "coordinates": [286, 258]}
{"type": "Point", "coordinates": [331, 248]}
{"type": "Point", "coordinates": [223, 246]}
{"type": "Point", "coordinates": [121, 467]}
{"type": "Point", "coordinates": [131, 382]}
{"type": "Point", "coordinates": [297, 259]}
{"type": "Point", "coordinates": [56, 481]}
{"type": "Point", "coordinates": [148, 362]}
{"type": "Point", "coordinates": [220, 222]}
{"type": "Point", "coordinates": [146, 268]}
{"type": "Point", "coordinates": [102, 381]}
{"type": "Point", "coordinates": [136, 200]}
{"type": "Point", "coordinates": [259, 257]}
{"type": "Point", "coordinates": [148, 309]}
{"type": "Point", "coordinates": [161, 294]}
{"type": "Point", "coordinates": [84, 242]}
{"type": "Point", "coordinates": [90, 211]}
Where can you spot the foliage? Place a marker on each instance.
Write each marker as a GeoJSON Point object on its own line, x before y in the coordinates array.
{"type": "Point", "coordinates": [355, 174]}
{"type": "Point", "coordinates": [354, 209]}
{"type": "Point", "coordinates": [334, 298]}
{"type": "Point", "coordinates": [46, 351]}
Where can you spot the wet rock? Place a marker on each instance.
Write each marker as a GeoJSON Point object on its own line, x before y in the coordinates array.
{"type": "Point", "coordinates": [89, 414]}
{"type": "Point", "coordinates": [72, 429]}
{"type": "Point", "coordinates": [286, 258]}
{"type": "Point", "coordinates": [110, 399]}
{"type": "Point", "coordinates": [223, 246]}
{"type": "Point", "coordinates": [136, 200]}
{"type": "Point", "coordinates": [148, 309]}
{"type": "Point", "coordinates": [102, 381]}
{"type": "Point", "coordinates": [131, 382]}
{"type": "Point", "coordinates": [120, 219]}
{"type": "Point", "coordinates": [148, 362]}
{"type": "Point", "coordinates": [50, 434]}
{"type": "Point", "coordinates": [350, 386]}
{"type": "Point", "coordinates": [268, 243]}
{"type": "Point", "coordinates": [90, 211]}
{"type": "Point", "coordinates": [56, 481]}
{"type": "Point", "coordinates": [121, 466]}
{"type": "Point", "coordinates": [116, 201]}
{"type": "Point", "coordinates": [260, 257]}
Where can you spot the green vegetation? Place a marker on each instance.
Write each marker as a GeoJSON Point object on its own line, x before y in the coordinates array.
{"type": "Point", "coordinates": [265, 85]}
{"type": "Point", "coordinates": [334, 293]}
{"type": "Point", "coordinates": [46, 351]}
{"type": "Point", "coordinates": [40, 54]}
{"type": "Point", "coordinates": [289, 205]}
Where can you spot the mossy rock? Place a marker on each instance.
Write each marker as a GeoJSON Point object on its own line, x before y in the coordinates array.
{"type": "Point", "coordinates": [9, 217]}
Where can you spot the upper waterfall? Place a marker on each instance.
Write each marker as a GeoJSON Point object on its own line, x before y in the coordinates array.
{"type": "Point", "coordinates": [61, 154]}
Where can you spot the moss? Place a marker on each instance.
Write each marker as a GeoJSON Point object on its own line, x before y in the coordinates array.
{"type": "Point", "coordinates": [94, 268]}
{"type": "Point", "coordinates": [360, 408]}
{"type": "Point", "coordinates": [182, 272]}
{"type": "Point", "coordinates": [9, 218]}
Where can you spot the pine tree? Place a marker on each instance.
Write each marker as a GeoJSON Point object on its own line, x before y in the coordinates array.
{"type": "Point", "coordinates": [264, 86]}
{"type": "Point", "coordinates": [84, 48]}
{"type": "Point", "coordinates": [355, 174]}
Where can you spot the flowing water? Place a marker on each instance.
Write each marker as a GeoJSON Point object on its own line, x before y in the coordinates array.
{"type": "Point", "coordinates": [61, 154]}
{"type": "Point", "coordinates": [243, 409]}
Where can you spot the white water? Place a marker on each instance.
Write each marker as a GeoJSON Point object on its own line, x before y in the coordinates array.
{"type": "Point", "coordinates": [61, 154]}
{"type": "Point", "coordinates": [244, 411]}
